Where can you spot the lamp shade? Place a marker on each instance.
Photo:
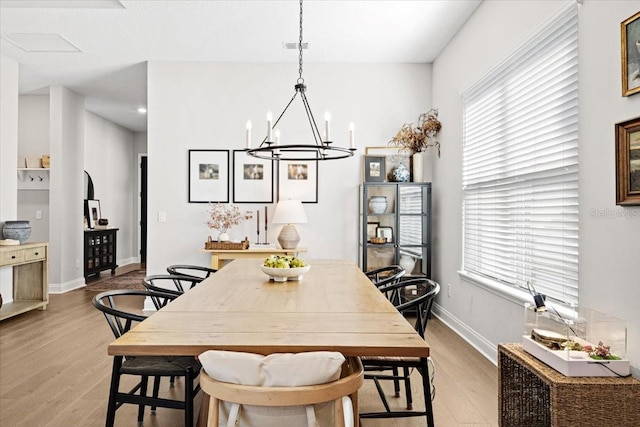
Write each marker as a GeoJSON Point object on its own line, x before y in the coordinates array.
{"type": "Point", "coordinates": [289, 212]}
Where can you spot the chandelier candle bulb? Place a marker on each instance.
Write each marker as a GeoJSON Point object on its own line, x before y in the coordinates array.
{"type": "Point", "coordinates": [269, 120]}
{"type": "Point", "coordinates": [352, 141]}
{"type": "Point", "coordinates": [248, 142]}
{"type": "Point", "coordinates": [327, 121]}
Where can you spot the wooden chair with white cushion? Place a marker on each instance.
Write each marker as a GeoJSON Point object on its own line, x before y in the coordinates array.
{"type": "Point", "coordinates": [292, 389]}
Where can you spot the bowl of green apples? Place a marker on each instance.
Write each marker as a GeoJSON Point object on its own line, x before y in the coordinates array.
{"type": "Point", "coordinates": [283, 268]}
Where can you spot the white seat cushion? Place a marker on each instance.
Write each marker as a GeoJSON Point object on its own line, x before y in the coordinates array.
{"type": "Point", "coordinates": [274, 370]}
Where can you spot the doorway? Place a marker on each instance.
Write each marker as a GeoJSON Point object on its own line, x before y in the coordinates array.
{"type": "Point", "coordinates": [143, 209]}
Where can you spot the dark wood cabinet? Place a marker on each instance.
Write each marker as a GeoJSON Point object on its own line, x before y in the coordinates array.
{"type": "Point", "coordinates": [100, 251]}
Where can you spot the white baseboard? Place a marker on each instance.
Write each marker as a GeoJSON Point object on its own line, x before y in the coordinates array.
{"type": "Point", "coordinates": [61, 288]}
{"type": "Point", "coordinates": [127, 261]}
{"type": "Point", "coordinates": [477, 341]}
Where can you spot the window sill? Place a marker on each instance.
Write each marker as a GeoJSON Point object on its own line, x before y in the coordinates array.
{"type": "Point", "coordinates": [513, 294]}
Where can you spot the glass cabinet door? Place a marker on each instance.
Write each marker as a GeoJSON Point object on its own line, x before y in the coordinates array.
{"type": "Point", "coordinates": [395, 226]}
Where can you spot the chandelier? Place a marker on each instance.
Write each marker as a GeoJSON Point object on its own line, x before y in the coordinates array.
{"type": "Point", "coordinates": [320, 149]}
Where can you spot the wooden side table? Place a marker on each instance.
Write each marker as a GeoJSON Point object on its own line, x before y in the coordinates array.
{"type": "Point", "coordinates": [534, 394]}
{"type": "Point", "coordinates": [219, 256]}
{"type": "Point", "coordinates": [30, 264]}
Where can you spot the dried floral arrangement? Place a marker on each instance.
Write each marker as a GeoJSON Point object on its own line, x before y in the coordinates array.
{"type": "Point", "coordinates": [418, 138]}
{"type": "Point", "coordinates": [223, 217]}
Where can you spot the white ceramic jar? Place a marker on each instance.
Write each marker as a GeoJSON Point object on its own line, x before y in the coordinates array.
{"type": "Point", "coordinates": [378, 205]}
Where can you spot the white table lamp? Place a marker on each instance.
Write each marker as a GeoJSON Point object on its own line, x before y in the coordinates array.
{"type": "Point", "coordinates": [289, 212]}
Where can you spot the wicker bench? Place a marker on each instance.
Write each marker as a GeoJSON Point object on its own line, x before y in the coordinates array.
{"type": "Point", "coordinates": [532, 394]}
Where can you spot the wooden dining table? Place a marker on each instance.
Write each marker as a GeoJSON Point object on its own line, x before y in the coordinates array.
{"type": "Point", "coordinates": [334, 307]}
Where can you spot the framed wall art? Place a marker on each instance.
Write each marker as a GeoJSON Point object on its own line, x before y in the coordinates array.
{"type": "Point", "coordinates": [298, 180]}
{"type": "Point", "coordinates": [93, 212]}
{"type": "Point", "coordinates": [628, 162]}
{"type": "Point", "coordinates": [393, 157]}
{"type": "Point", "coordinates": [208, 176]}
{"type": "Point", "coordinates": [630, 49]}
{"type": "Point", "coordinates": [375, 169]}
{"type": "Point", "coordinates": [252, 178]}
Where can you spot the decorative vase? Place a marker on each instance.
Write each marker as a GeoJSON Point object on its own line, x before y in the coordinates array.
{"type": "Point", "coordinates": [421, 170]}
{"type": "Point", "coordinates": [417, 167]}
{"type": "Point", "coordinates": [17, 230]}
{"type": "Point", "coordinates": [407, 262]}
{"type": "Point", "coordinates": [378, 205]}
{"type": "Point", "coordinates": [223, 237]}
{"type": "Point", "coordinates": [400, 173]}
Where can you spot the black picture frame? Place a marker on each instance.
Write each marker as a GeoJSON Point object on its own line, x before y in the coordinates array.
{"type": "Point", "coordinates": [208, 175]}
{"type": "Point", "coordinates": [93, 212]}
{"type": "Point", "coordinates": [386, 232]}
{"type": "Point", "coordinates": [374, 168]}
{"type": "Point", "coordinates": [371, 230]}
{"type": "Point", "coordinates": [252, 178]}
{"type": "Point", "coordinates": [298, 180]}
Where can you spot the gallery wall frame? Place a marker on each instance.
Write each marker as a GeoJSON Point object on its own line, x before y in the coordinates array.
{"type": "Point", "coordinates": [630, 50]}
{"type": "Point", "coordinates": [208, 176]}
{"type": "Point", "coordinates": [252, 178]}
{"type": "Point", "coordinates": [298, 180]}
{"type": "Point", "coordinates": [628, 162]}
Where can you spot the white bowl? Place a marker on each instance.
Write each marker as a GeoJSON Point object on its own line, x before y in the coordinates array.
{"type": "Point", "coordinates": [284, 274]}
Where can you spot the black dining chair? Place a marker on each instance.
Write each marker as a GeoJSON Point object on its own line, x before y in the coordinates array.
{"type": "Point", "coordinates": [170, 283]}
{"type": "Point", "coordinates": [116, 307]}
{"type": "Point", "coordinates": [382, 277]}
{"type": "Point", "coordinates": [386, 275]}
{"type": "Point", "coordinates": [195, 271]}
{"type": "Point", "coordinates": [413, 297]}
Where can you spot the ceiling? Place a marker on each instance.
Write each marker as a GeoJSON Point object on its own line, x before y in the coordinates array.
{"type": "Point", "coordinates": [99, 48]}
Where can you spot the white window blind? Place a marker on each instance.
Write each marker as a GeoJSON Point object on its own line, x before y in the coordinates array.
{"type": "Point", "coordinates": [520, 166]}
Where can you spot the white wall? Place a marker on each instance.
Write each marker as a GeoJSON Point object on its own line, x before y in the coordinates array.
{"type": "Point", "coordinates": [66, 189]}
{"type": "Point", "coordinates": [8, 156]}
{"type": "Point", "coordinates": [33, 141]}
{"type": "Point", "coordinates": [609, 246]}
{"type": "Point", "coordinates": [110, 158]}
{"type": "Point", "coordinates": [206, 106]}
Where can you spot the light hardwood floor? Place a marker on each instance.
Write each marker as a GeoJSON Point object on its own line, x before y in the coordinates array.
{"type": "Point", "coordinates": [55, 372]}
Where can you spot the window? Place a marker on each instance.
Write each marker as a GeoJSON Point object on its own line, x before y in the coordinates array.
{"type": "Point", "coordinates": [520, 166]}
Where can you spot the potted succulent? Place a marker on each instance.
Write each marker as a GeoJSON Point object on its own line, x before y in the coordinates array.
{"type": "Point", "coordinates": [416, 139]}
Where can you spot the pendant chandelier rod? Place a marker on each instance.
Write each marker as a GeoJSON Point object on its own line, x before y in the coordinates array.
{"type": "Point", "coordinates": [321, 150]}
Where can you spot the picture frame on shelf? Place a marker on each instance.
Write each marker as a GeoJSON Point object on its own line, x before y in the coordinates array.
{"type": "Point", "coordinates": [252, 178]}
{"type": "Point", "coordinates": [386, 232]}
{"type": "Point", "coordinates": [93, 212]}
{"type": "Point", "coordinates": [371, 230]}
{"type": "Point", "coordinates": [630, 51]}
{"type": "Point", "coordinates": [628, 162]}
{"type": "Point", "coordinates": [208, 176]}
{"type": "Point", "coordinates": [298, 180]}
{"type": "Point", "coordinates": [393, 157]}
{"type": "Point", "coordinates": [375, 168]}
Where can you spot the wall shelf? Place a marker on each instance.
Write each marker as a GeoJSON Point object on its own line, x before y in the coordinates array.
{"type": "Point", "coordinates": [33, 178]}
